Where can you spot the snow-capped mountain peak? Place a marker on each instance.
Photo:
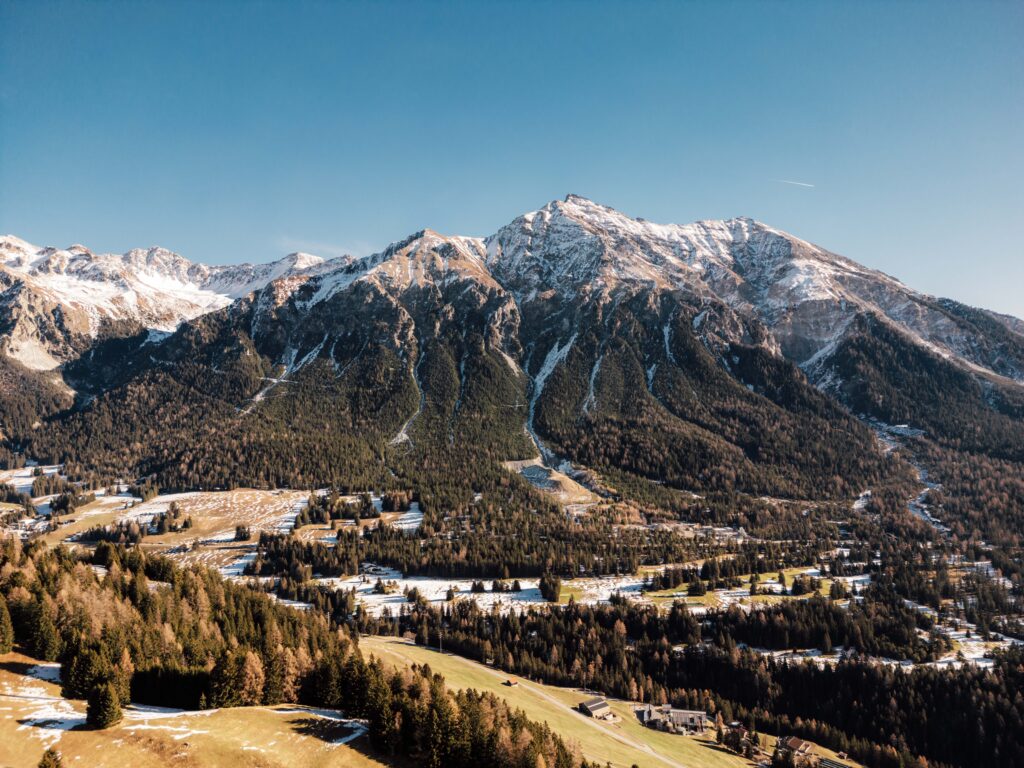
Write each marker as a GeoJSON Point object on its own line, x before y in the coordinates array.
{"type": "Point", "coordinates": [805, 295]}
{"type": "Point", "coordinates": [802, 298]}
{"type": "Point", "coordinates": [302, 261]}
{"type": "Point", "coordinates": [59, 299]}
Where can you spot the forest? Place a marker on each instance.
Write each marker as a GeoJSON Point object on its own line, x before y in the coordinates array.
{"type": "Point", "coordinates": [883, 715]}
{"type": "Point", "coordinates": [147, 631]}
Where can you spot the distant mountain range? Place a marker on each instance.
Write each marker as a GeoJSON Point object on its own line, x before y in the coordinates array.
{"type": "Point", "coordinates": [698, 356]}
{"type": "Point", "coordinates": [58, 302]}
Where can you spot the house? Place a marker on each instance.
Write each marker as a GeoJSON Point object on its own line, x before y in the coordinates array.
{"type": "Point", "coordinates": [827, 762]}
{"type": "Point", "coordinates": [739, 728]}
{"type": "Point", "coordinates": [596, 707]}
{"type": "Point", "coordinates": [511, 682]}
{"type": "Point", "coordinates": [796, 746]}
{"type": "Point", "coordinates": [690, 719]}
{"type": "Point", "coordinates": [665, 718]}
{"type": "Point", "coordinates": [647, 715]}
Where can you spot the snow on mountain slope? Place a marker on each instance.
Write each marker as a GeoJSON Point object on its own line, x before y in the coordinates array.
{"type": "Point", "coordinates": [425, 258]}
{"type": "Point", "coordinates": [806, 296]}
{"type": "Point", "coordinates": [409, 291]}
{"type": "Point", "coordinates": [733, 275]}
{"type": "Point", "coordinates": [58, 300]}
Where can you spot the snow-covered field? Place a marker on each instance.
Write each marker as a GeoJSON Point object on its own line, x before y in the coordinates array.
{"type": "Point", "coordinates": [106, 502]}
{"type": "Point", "coordinates": [223, 510]}
{"type": "Point", "coordinates": [411, 520]}
{"type": "Point", "coordinates": [236, 568]}
{"type": "Point", "coordinates": [588, 591]}
{"type": "Point", "coordinates": [435, 590]}
{"type": "Point", "coordinates": [215, 514]}
{"type": "Point", "coordinates": [21, 479]}
{"type": "Point", "coordinates": [43, 715]}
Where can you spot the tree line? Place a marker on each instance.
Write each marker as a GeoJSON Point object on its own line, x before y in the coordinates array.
{"type": "Point", "coordinates": [196, 640]}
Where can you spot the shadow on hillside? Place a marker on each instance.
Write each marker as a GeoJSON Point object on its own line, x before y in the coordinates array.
{"type": "Point", "coordinates": [717, 748]}
{"type": "Point", "coordinates": [329, 731]}
{"type": "Point", "coordinates": [16, 667]}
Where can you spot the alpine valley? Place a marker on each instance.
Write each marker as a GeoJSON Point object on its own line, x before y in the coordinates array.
{"type": "Point", "coordinates": [712, 466]}
{"type": "Point", "coordinates": [659, 360]}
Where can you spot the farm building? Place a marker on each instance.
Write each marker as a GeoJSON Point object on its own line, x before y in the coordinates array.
{"type": "Point", "coordinates": [795, 746]}
{"type": "Point", "coordinates": [666, 718]}
{"type": "Point", "coordinates": [596, 707]}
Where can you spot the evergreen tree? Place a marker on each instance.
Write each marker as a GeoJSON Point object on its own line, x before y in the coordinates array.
{"type": "Point", "coordinates": [43, 640]}
{"type": "Point", "coordinates": [378, 712]}
{"type": "Point", "coordinates": [6, 629]}
{"type": "Point", "coordinates": [103, 707]}
{"type": "Point", "coordinates": [550, 587]}
{"type": "Point", "coordinates": [82, 670]}
{"type": "Point", "coordinates": [51, 759]}
{"type": "Point", "coordinates": [224, 681]}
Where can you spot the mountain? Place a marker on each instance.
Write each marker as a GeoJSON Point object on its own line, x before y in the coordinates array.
{"type": "Point", "coordinates": [714, 357]}
{"type": "Point", "coordinates": [806, 296]}
{"type": "Point", "coordinates": [56, 303]}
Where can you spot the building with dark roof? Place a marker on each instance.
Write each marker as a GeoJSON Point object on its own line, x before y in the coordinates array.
{"type": "Point", "coordinates": [666, 718]}
{"type": "Point", "coordinates": [596, 707]}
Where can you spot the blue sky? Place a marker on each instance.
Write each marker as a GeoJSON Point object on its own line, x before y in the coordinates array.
{"type": "Point", "coordinates": [241, 131]}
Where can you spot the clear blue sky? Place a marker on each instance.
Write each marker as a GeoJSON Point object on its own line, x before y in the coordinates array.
{"type": "Point", "coordinates": [241, 131]}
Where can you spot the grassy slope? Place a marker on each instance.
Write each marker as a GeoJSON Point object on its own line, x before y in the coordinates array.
{"type": "Point", "coordinates": [623, 743]}
{"type": "Point", "coordinates": [257, 737]}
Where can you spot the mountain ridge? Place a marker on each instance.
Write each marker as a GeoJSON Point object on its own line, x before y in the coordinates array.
{"type": "Point", "coordinates": [62, 300]}
{"type": "Point", "coordinates": [702, 355]}
{"type": "Point", "coordinates": [741, 260]}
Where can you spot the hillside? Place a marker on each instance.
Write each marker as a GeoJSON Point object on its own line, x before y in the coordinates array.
{"type": "Point", "coordinates": [653, 363]}
{"type": "Point", "coordinates": [38, 717]}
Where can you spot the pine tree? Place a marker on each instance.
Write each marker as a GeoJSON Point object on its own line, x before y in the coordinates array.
{"type": "Point", "coordinates": [85, 669]}
{"type": "Point", "coordinates": [44, 642]}
{"type": "Point", "coordinates": [6, 628]}
{"type": "Point", "coordinates": [378, 712]}
{"type": "Point", "coordinates": [103, 707]}
{"type": "Point", "coordinates": [51, 759]}
{"type": "Point", "coordinates": [224, 690]}
{"type": "Point", "coordinates": [273, 688]}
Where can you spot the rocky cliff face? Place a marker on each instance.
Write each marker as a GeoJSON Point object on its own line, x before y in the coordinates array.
{"type": "Point", "coordinates": [741, 280]}
{"type": "Point", "coordinates": [574, 330]}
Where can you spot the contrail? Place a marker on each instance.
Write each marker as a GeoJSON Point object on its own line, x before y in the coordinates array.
{"type": "Point", "coordinates": [795, 183]}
